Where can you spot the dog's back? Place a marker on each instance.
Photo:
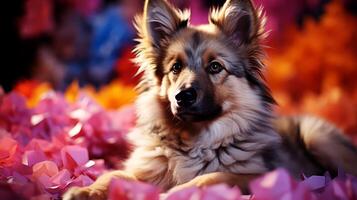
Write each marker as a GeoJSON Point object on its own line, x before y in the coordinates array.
{"type": "Point", "coordinates": [313, 146]}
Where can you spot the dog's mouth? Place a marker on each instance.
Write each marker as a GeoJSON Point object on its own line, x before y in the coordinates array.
{"type": "Point", "coordinates": [196, 116]}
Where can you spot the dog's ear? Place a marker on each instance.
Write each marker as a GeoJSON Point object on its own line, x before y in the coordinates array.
{"type": "Point", "coordinates": [238, 19]}
{"type": "Point", "coordinates": [162, 20]}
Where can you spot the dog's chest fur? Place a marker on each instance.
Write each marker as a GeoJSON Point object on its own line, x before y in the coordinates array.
{"type": "Point", "coordinates": [162, 158]}
{"type": "Point", "coordinates": [228, 155]}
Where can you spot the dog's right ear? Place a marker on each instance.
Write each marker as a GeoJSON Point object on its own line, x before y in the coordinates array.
{"type": "Point", "coordinates": [162, 20]}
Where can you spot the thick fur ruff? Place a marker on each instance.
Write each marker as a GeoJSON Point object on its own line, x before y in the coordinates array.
{"type": "Point", "coordinates": [226, 127]}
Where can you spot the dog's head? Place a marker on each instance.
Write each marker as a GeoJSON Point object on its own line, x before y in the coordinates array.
{"type": "Point", "coordinates": [205, 71]}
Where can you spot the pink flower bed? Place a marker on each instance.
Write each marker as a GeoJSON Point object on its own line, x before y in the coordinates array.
{"type": "Point", "coordinates": [276, 185]}
{"type": "Point", "coordinates": [45, 150]}
{"type": "Point", "coordinates": [56, 145]}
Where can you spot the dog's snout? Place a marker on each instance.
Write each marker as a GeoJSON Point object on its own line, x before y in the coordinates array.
{"type": "Point", "coordinates": [186, 98]}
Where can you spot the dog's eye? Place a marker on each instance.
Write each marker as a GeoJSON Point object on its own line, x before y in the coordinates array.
{"type": "Point", "coordinates": [214, 68]}
{"type": "Point", "coordinates": [176, 68]}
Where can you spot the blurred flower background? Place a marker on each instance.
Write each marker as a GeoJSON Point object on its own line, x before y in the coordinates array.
{"type": "Point", "coordinates": [67, 85]}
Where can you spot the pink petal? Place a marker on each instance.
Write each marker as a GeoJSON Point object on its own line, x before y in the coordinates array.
{"type": "Point", "coordinates": [187, 193]}
{"type": "Point", "coordinates": [272, 185]}
{"type": "Point", "coordinates": [81, 181]}
{"type": "Point", "coordinates": [8, 148]}
{"type": "Point", "coordinates": [22, 169]}
{"type": "Point", "coordinates": [48, 168]}
{"type": "Point", "coordinates": [42, 197]}
{"type": "Point", "coordinates": [315, 182]}
{"type": "Point", "coordinates": [124, 119]}
{"type": "Point", "coordinates": [32, 157]}
{"type": "Point", "coordinates": [75, 130]}
{"type": "Point", "coordinates": [302, 192]}
{"type": "Point", "coordinates": [36, 119]}
{"type": "Point", "coordinates": [216, 192]}
{"type": "Point", "coordinates": [13, 110]}
{"type": "Point", "coordinates": [80, 114]}
{"type": "Point", "coordinates": [62, 178]}
{"type": "Point", "coordinates": [126, 190]}
{"type": "Point", "coordinates": [40, 145]}
{"type": "Point", "coordinates": [44, 180]}
{"type": "Point", "coordinates": [340, 190]}
{"type": "Point", "coordinates": [19, 178]}
{"type": "Point", "coordinates": [221, 192]}
{"type": "Point", "coordinates": [95, 170]}
{"type": "Point", "coordinates": [74, 156]}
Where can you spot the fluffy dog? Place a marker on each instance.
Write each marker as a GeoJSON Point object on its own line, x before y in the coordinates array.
{"type": "Point", "coordinates": [205, 114]}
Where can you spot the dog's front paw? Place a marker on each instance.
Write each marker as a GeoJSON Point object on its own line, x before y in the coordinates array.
{"type": "Point", "coordinates": [85, 193]}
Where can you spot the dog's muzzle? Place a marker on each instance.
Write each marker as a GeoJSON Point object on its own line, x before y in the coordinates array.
{"type": "Point", "coordinates": [192, 108]}
{"type": "Point", "coordinates": [186, 98]}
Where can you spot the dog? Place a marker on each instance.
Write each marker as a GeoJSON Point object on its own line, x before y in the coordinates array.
{"type": "Point", "coordinates": [205, 113]}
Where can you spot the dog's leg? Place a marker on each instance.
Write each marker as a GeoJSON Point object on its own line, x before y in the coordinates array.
{"type": "Point", "coordinates": [240, 180]}
{"type": "Point", "coordinates": [99, 189]}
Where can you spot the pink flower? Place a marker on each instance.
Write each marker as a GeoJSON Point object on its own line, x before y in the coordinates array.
{"type": "Point", "coordinates": [45, 150]}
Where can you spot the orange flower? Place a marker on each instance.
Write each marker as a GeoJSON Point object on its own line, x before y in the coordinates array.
{"type": "Point", "coordinates": [32, 90]}
{"type": "Point", "coordinates": [315, 71]}
{"type": "Point", "coordinates": [115, 95]}
{"type": "Point", "coordinates": [72, 92]}
{"type": "Point", "coordinates": [111, 96]}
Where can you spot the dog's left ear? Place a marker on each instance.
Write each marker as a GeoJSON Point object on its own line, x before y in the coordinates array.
{"type": "Point", "coordinates": [162, 20]}
{"type": "Point", "coordinates": [238, 19]}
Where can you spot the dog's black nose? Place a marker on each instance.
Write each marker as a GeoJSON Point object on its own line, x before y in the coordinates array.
{"type": "Point", "coordinates": [186, 98]}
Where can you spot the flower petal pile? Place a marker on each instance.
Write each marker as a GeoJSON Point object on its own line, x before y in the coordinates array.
{"type": "Point", "coordinates": [276, 185]}
{"type": "Point", "coordinates": [57, 144]}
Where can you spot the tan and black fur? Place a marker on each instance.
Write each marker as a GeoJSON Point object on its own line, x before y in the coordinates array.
{"type": "Point", "coordinates": [205, 114]}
